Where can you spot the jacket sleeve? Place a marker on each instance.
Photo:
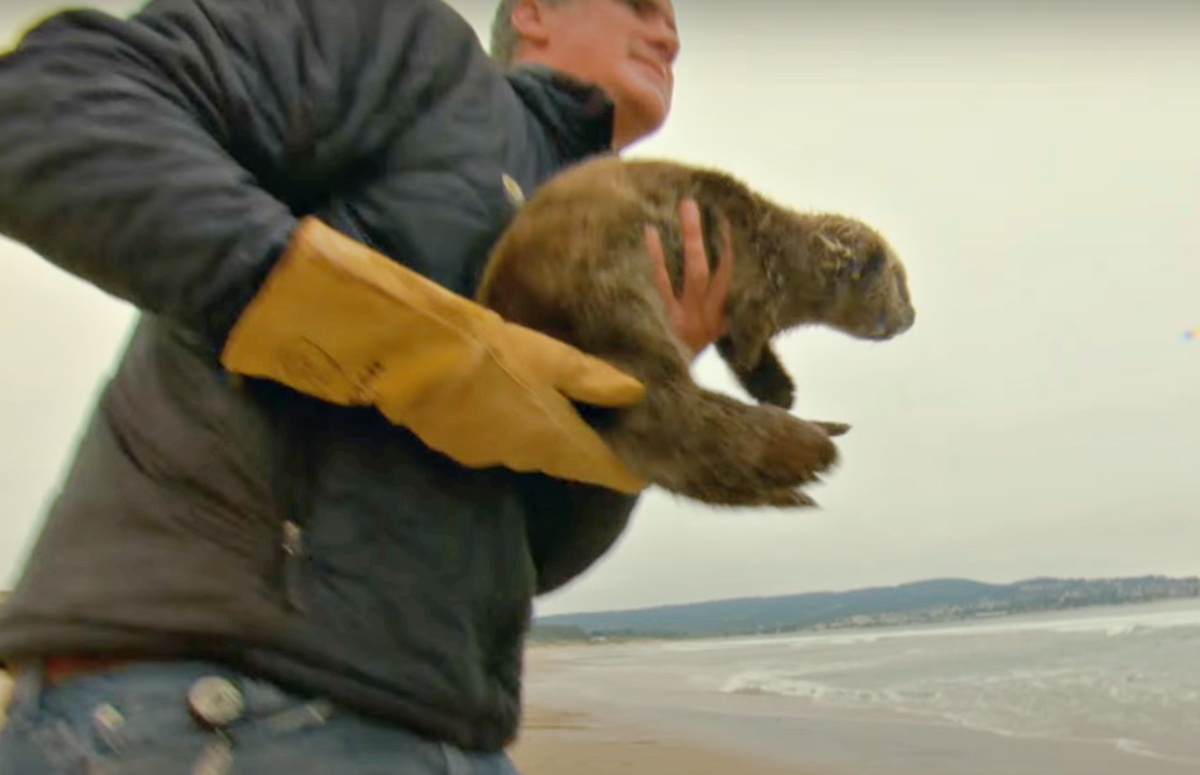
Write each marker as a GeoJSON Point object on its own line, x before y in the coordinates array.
{"type": "Point", "coordinates": [570, 526]}
{"type": "Point", "coordinates": [166, 158]}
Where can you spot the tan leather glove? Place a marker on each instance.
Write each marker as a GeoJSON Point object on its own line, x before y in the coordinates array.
{"type": "Point", "coordinates": [344, 323]}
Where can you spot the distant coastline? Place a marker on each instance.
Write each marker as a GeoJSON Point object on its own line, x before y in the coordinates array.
{"type": "Point", "coordinates": [923, 602]}
{"type": "Point", "coordinates": [932, 601]}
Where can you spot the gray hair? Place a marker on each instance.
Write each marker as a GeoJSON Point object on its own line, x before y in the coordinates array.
{"type": "Point", "coordinates": [504, 35]}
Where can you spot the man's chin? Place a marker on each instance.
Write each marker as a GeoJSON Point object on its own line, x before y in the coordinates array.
{"type": "Point", "coordinates": [641, 111]}
{"type": "Point", "coordinates": [635, 128]}
{"type": "Point", "coordinates": [650, 107]}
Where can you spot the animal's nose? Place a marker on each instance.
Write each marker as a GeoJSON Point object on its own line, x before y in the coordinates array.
{"type": "Point", "coordinates": [887, 327]}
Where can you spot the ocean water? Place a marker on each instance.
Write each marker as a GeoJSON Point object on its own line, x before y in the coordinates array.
{"type": "Point", "coordinates": [1120, 685]}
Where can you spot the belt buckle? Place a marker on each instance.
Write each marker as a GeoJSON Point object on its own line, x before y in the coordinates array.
{"type": "Point", "coordinates": [215, 701]}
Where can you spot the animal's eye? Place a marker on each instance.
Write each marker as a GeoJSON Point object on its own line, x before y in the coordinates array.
{"type": "Point", "coordinates": [875, 264]}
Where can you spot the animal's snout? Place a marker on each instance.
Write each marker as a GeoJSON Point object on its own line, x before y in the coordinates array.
{"type": "Point", "coordinates": [883, 325]}
{"type": "Point", "coordinates": [910, 312]}
{"type": "Point", "coordinates": [888, 326]}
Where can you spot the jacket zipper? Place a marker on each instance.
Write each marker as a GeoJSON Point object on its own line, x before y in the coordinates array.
{"type": "Point", "coordinates": [292, 542]}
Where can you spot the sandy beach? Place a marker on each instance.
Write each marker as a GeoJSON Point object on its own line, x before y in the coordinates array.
{"type": "Point", "coordinates": [554, 742]}
{"type": "Point", "coordinates": [584, 739]}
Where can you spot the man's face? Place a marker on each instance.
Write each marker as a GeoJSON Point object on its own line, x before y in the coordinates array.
{"type": "Point", "coordinates": [627, 47]}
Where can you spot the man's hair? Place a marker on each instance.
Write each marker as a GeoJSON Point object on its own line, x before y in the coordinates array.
{"type": "Point", "coordinates": [504, 35]}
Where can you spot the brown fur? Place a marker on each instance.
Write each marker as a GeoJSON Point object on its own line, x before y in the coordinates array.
{"type": "Point", "coordinates": [574, 264]}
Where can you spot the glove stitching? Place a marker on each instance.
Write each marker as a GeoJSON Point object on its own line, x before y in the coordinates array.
{"type": "Point", "coordinates": [500, 363]}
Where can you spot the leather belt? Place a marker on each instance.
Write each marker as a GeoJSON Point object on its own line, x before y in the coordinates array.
{"type": "Point", "coordinates": [56, 669]}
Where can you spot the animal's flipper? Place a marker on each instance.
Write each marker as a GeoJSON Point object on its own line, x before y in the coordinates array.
{"type": "Point", "coordinates": [695, 443]}
{"type": "Point", "coordinates": [718, 450]}
{"type": "Point", "coordinates": [763, 377]}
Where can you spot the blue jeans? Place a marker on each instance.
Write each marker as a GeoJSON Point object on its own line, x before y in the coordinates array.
{"type": "Point", "coordinates": [139, 720]}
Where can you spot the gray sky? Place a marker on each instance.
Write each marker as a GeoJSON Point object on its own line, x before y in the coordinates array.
{"type": "Point", "coordinates": [1039, 172]}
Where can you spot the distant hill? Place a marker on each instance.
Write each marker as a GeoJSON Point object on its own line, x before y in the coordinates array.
{"type": "Point", "coordinates": [919, 602]}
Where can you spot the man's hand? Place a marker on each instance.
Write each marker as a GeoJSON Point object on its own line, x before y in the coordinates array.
{"type": "Point", "coordinates": [698, 314]}
{"type": "Point", "coordinates": [343, 323]}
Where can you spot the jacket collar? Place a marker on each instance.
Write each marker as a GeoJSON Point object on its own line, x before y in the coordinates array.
{"type": "Point", "coordinates": [579, 116]}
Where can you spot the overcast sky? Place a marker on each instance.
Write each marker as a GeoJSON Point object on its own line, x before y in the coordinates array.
{"type": "Point", "coordinates": [1036, 166]}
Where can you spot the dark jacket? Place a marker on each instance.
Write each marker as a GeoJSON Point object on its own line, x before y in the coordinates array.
{"type": "Point", "coordinates": [166, 159]}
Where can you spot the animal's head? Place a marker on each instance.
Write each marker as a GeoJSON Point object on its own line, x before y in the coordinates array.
{"type": "Point", "coordinates": [866, 283]}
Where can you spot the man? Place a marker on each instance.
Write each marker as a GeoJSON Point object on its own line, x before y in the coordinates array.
{"type": "Point", "coordinates": [304, 526]}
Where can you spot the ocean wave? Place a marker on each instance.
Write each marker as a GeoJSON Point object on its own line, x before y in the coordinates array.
{"type": "Point", "coordinates": [1086, 703]}
{"type": "Point", "coordinates": [767, 682]}
{"type": "Point", "coordinates": [1139, 748]}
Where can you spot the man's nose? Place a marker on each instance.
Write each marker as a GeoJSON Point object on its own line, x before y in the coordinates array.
{"type": "Point", "coordinates": [665, 41]}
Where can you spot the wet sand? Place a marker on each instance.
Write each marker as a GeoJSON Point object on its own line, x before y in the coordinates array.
{"type": "Point", "coordinates": [554, 742]}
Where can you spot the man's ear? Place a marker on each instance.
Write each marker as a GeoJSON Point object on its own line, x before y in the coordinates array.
{"type": "Point", "coordinates": [528, 19]}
